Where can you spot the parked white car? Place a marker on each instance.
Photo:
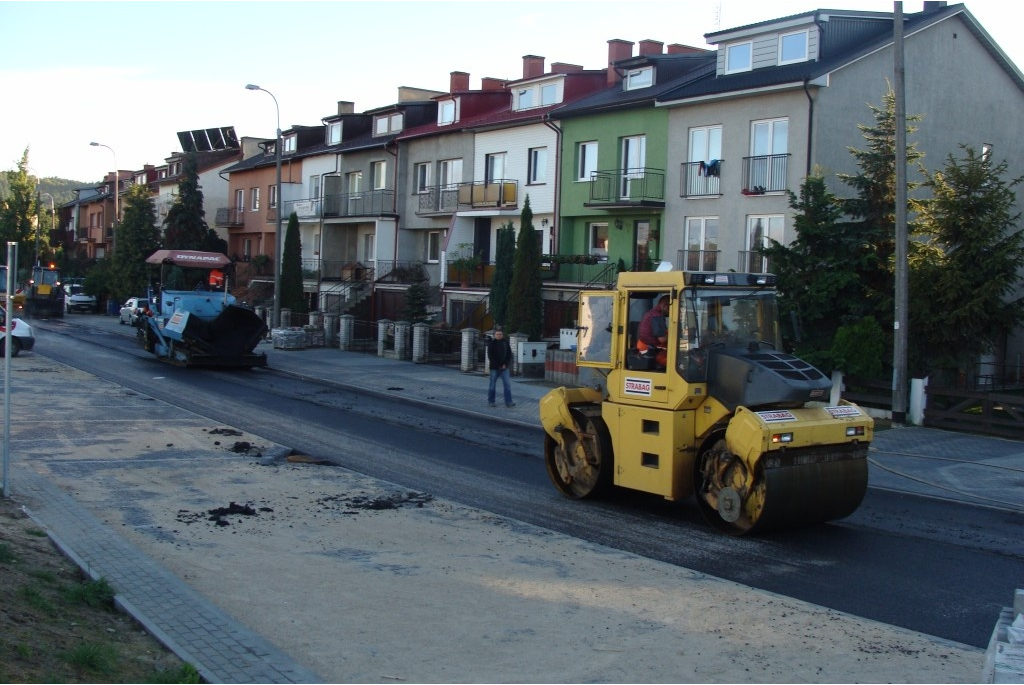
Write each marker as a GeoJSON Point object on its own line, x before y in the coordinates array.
{"type": "Point", "coordinates": [76, 299]}
{"type": "Point", "coordinates": [20, 334]}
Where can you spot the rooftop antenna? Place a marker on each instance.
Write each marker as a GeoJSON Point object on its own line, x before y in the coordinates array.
{"type": "Point", "coordinates": [717, 19]}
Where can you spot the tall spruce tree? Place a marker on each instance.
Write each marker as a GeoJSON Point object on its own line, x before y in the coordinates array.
{"type": "Point", "coordinates": [819, 282]}
{"type": "Point", "coordinates": [966, 282]}
{"type": "Point", "coordinates": [504, 266]}
{"type": "Point", "coordinates": [292, 296]}
{"type": "Point", "coordinates": [17, 213]}
{"type": "Point", "coordinates": [525, 302]}
{"type": "Point", "coordinates": [137, 238]}
{"type": "Point", "coordinates": [873, 210]}
{"type": "Point", "coordinates": [185, 226]}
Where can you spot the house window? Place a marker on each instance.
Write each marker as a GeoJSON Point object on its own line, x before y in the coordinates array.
{"type": "Point", "coordinates": [738, 57]}
{"type": "Point", "coordinates": [548, 94]}
{"type": "Point", "coordinates": [247, 249]}
{"type": "Point", "coordinates": [586, 160]}
{"type": "Point", "coordinates": [387, 124]}
{"type": "Point", "coordinates": [538, 163]}
{"type": "Point", "coordinates": [634, 160]}
{"type": "Point", "coordinates": [638, 78]}
{"type": "Point", "coordinates": [793, 47]}
{"type": "Point", "coordinates": [597, 236]}
{"type": "Point", "coordinates": [254, 195]}
{"type": "Point", "coordinates": [175, 168]}
{"type": "Point", "coordinates": [525, 99]}
{"type": "Point", "coordinates": [761, 231]}
{"type": "Point", "coordinates": [314, 187]}
{"type": "Point", "coordinates": [701, 244]}
{"type": "Point", "coordinates": [354, 182]}
{"type": "Point", "coordinates": [368, 248]}
{"type": "Point", "coordinates": [272, 192]}
{"type": "Point", "coordinates": [494, 167]}
{"type": "Point", "coordinates": [289, 143]}
{"type": "Point", "coordinates": [434, 247]}
{"type": "Point", "coordinates": [446, 112]}
{"type": "Point", "coordinates": [769, 142]}
{"type": "Point", "coordinates": [705, 159]}
{"type": "Point", "coordinates": [422, 178]}
{"type": "Point", "coordinates": [239, 200]}
{"type": "Point", "coordinates": [379, 171]}
{"type": "Point", "coordinates": [334, 133]}
{"type": "Point", "coordinates": [449, 173]}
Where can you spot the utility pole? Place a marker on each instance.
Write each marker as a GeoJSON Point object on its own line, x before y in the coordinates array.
{"type": "Point", "coordinates": [901, 314]}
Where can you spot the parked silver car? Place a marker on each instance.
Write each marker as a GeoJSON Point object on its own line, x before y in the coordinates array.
{"type": "Point", "coordinates": [131, 309]}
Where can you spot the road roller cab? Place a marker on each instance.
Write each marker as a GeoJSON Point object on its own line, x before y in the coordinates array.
{"type": "Point", "coordinates": [721, 412]}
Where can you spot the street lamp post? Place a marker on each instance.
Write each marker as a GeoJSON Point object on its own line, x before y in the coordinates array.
{"type": "Point", "coordinates": [117, 183]}
{"type": "Point", "coordinates": [276, 316]}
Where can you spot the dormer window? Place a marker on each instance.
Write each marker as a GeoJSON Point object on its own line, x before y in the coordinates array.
{"type": "Point", "coordinates": [548, 94]}
{"type": "Point", "coordinates": [793, 47]}
{"type": "Point", "coordinates": [334, 133]}
{"type": "Point", "coordinates": [738, 57]}
{"type": "Point", "coordinates": [525, 98]}
{"type": "Point", "coordinates": [289, 143]}
{"type": "Point", "coordinates": [446, 113]}
{"type": "Point", "coordinates": [175, 168]}
{"type": "Point", "coordinates": [638, 78]}
{"type": "Point", "coordinates": [387, 124]}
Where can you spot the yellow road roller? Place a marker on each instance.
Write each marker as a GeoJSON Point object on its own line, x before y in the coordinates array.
{"type": "Point", "coordinates": [716, 409]}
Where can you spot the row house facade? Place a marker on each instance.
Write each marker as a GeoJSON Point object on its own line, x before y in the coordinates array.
{"type": "Point", "coordinates": [671, 154]}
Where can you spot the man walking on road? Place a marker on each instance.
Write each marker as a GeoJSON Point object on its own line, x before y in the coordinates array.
{"type": "Point", "coordinates": [499, 355]}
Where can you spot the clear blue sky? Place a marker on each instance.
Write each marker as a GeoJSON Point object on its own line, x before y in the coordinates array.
{"type": "Point", "coordinates": [131, 75]}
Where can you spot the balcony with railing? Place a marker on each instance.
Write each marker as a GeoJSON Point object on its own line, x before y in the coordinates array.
{"type": "Point", "coordinates": [577, 269]}
{"type": "Point", "coordinates": [230, 216]}
{"type": "Point", "coordinates": [634, 187]}
{"type": "Point", "coordinates": [438, 200]}
{"type": "Point", "coordinates": [308, 208]}
{"type": "Point", "coordinates": [368, 203]}
{"type": "Point", "coordinates": [701, 179]}
{"type": "Point", "coordinates": [765, 174]}
{"type": "Point", "coordinates": [697, 260]}
{"type": "Point", "coordinates": [495, 194]}
{"type": "Point", "coordinates": [754, 262]}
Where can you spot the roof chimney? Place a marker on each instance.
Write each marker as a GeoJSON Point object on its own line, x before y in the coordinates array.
{"type": "Point", "coordinates": [617, 50]}
{"type": "Point", "coordinates": [565, 68]}
{"type": "Point", "coordinates": [679, 49]}
{"type": "Point", "coordinates": [346, 107]}
{"type": "Point", "coordinates": [459, 81]}
{"type": "Point", "coordinates": [491, 83]}
{"type": "Point", "coordinates": [532, 66]}
{"type": "Point", "coordinates": [651, 47]}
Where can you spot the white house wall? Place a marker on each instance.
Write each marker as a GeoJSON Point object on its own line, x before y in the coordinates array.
{"type": "Point", "coordinates": [516, 142]}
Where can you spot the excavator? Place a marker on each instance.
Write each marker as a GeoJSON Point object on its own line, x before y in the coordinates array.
{"type": "Point", "coordinates": [756, 435]}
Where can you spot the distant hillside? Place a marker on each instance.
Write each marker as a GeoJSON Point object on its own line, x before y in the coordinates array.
{"type": "Point", "coordinates": [62, 189]}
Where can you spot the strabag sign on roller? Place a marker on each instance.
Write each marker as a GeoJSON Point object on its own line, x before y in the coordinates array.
{"type": "Point", "coordinates": [843, 412]}
{"type": "Point", "coordinates": [637, 386]}
{"type": "Point", "coordinates": [777, 415]}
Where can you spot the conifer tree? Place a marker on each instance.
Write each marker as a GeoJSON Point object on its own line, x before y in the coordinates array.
{"type": "Point", "coordinates": [415, 310]}
{"type": "Point", "coordinates": [137, 238]}
{"type": "Point", "coordinates": [17, 211]}
{"type": "Point", "coordinates": [504, 265]}
{"type": "Point", "coordinates": [292, 296]}
{"type": "Point", "coordinates": [525, 302]}
{"type": "Point", "coordinates": [873, 210]}
{"type": "Point", "coordinates": [966, 282]}
{"type": "Point", "coordinates": [185, 226]}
